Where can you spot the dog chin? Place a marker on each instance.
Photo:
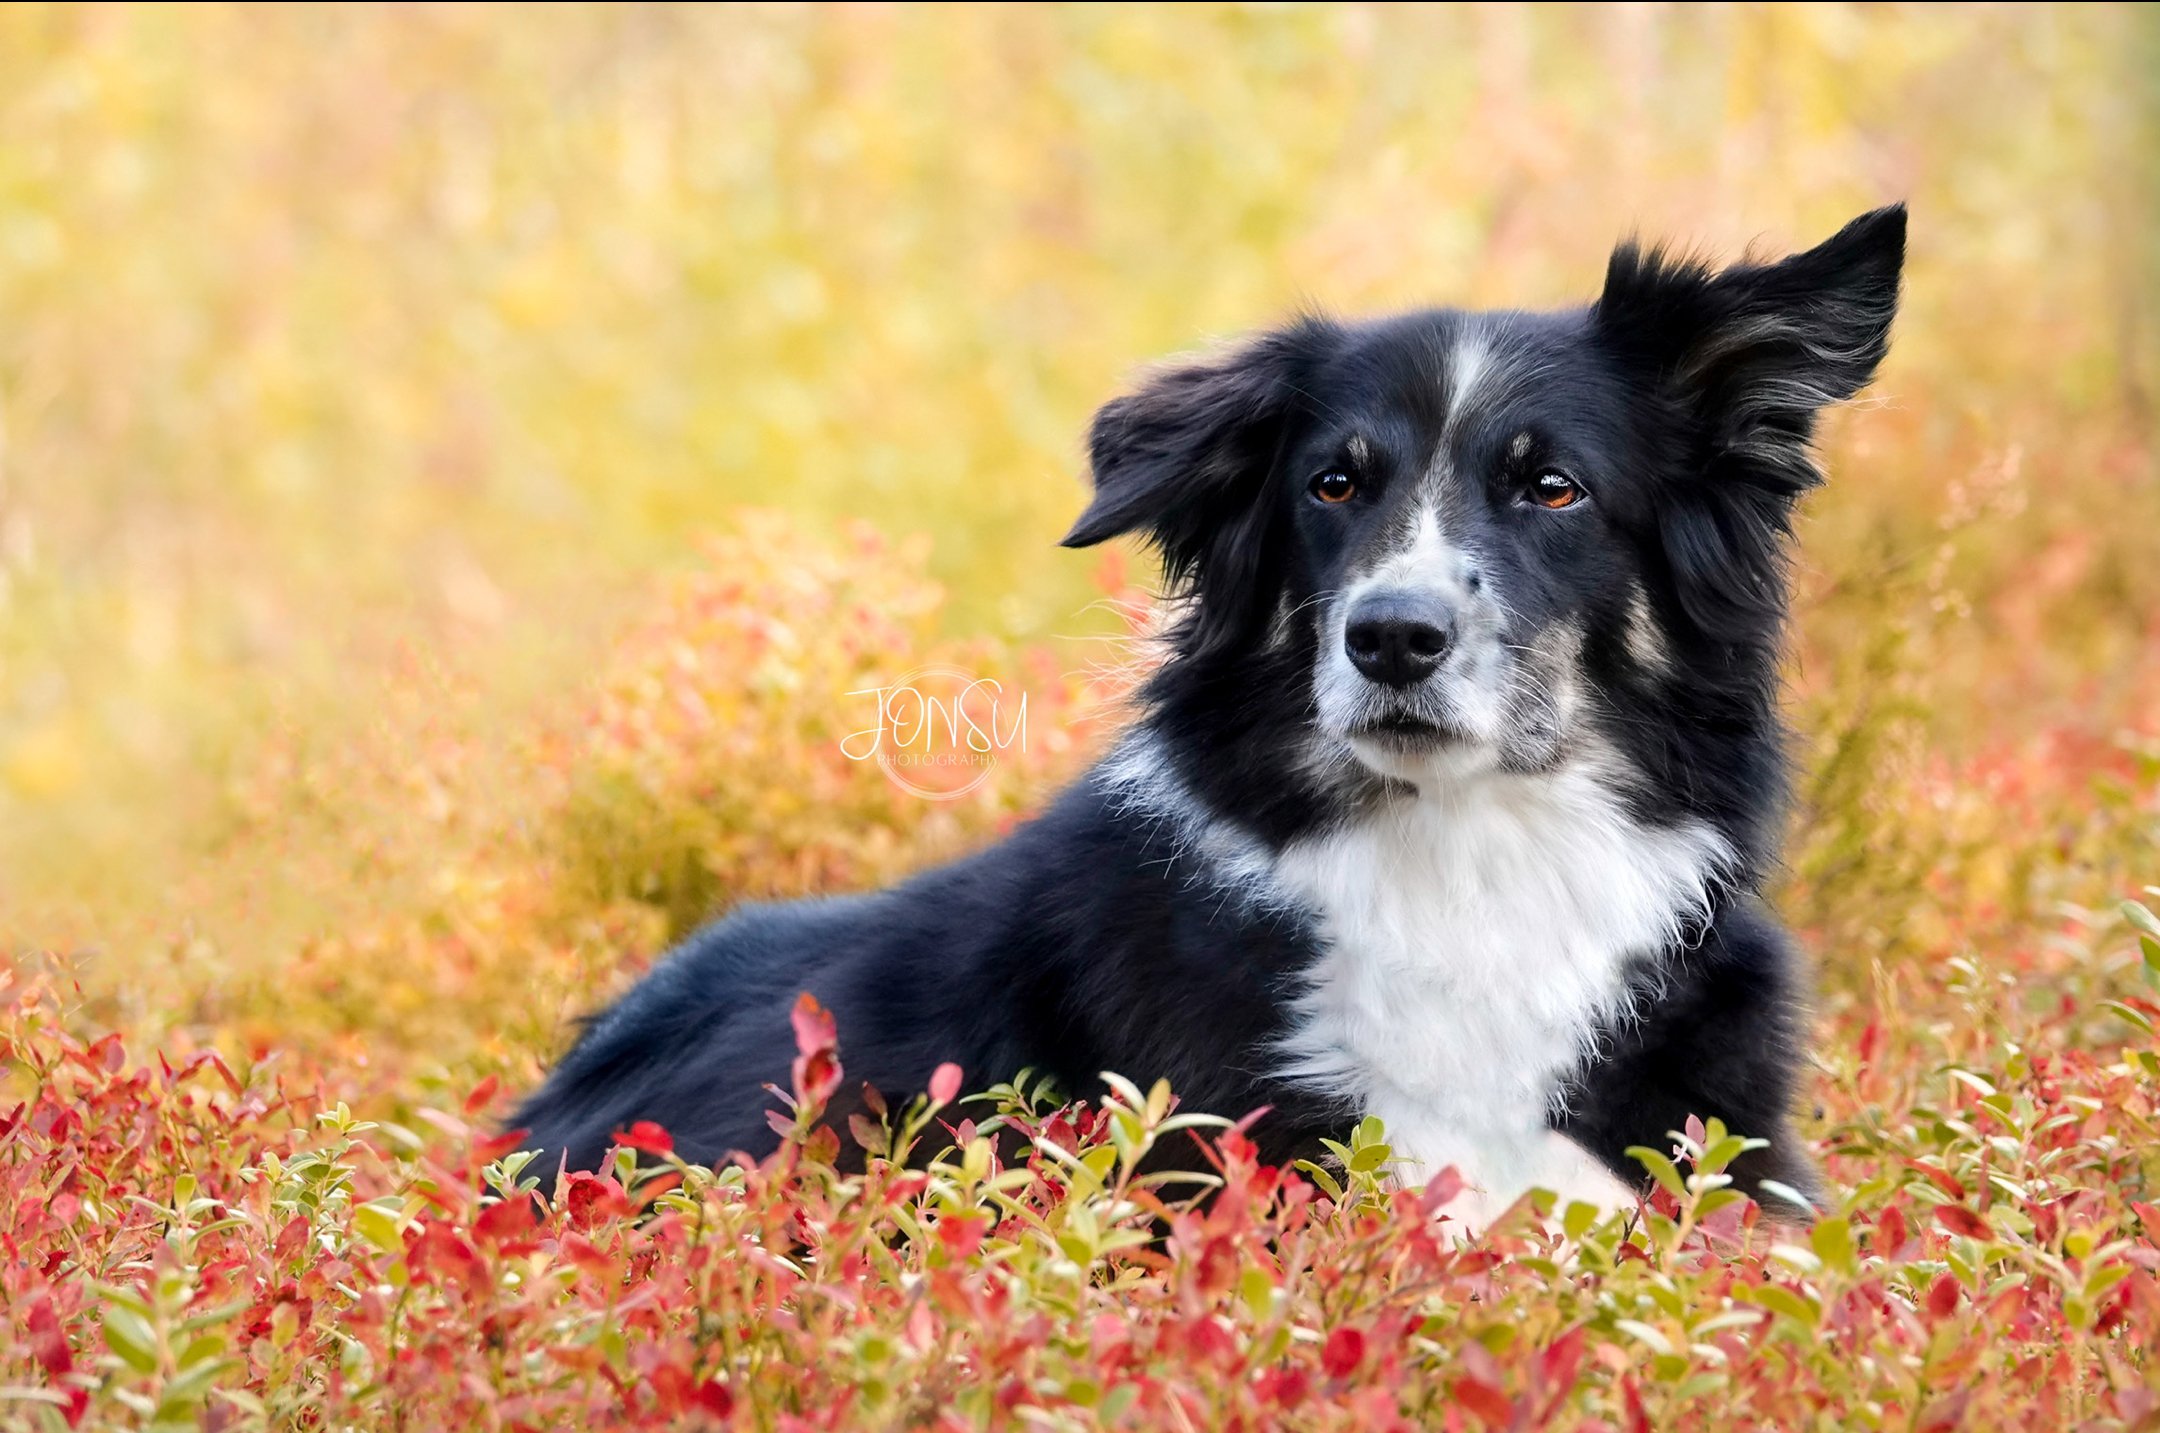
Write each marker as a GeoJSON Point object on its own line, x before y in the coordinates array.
{"type": "Point", "coordinates": [1420, 753]}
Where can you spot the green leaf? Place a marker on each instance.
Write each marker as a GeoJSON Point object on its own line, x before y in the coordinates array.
{"type": "Point", "coordinates": [2103, 1279]}
{"type": "Point", "coordinates": [1719, 1153]}
{"type": "Point", "coordinates": [1832, 1241]}
{"type": "Point", "coordinates": [1645, 1334]}
{"type": "Point", "coordinates": [1783, 1193]}
{"type": "Point", "coordinates": [1795, 1257]}
{"type": "Point", "coordinates": [202, 1346]}
{"type": "Point", "coordinates": [1368, 1158]}
{"type": "Point", "coordinates": [129, 1334]}
{"type": "Point", "coordinates": [1320, 1177]}
{"type": "Point", "coordinates": [1730, 1319]}
{"type": "Point", "coordinates": [380, 1225]}
{"type": "Point", "coordinates": [2128, 1015]}
{"type": "Point", "coordinates": [189, 1388]}
{"type": "Point", "coordinates": [1126, 1091]}
{"type": "Point", "coordinates": [1715, 1200]}
{"type": "Point", "coordinates": [1661, 1169]}
{"type": "Point", "coordinates": [1195, 1120]}
{"type": "Point", "coordinates": [2136, 913]}
{"type": "Point", "coordinates": [1781, 1300]}
{"type": "Point", "coordinates": [216, 1314]}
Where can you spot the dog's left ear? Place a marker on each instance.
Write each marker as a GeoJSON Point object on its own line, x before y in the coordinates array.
{"type": "Point", "coordinates": [1749, 356]}
{"type": "Point", "coordinates": [1185, 460]}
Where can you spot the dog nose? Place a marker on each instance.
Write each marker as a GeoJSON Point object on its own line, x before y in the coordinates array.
{"type": "Point", "coordinates": [1397, 640]}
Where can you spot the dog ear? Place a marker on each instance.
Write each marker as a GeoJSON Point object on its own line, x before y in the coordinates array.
{"type": "Point", "coordinates": [1186, 460]}
{"type": "Point", "coordinates": [1748, 356]}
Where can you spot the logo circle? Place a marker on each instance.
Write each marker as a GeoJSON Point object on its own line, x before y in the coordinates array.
{"type": "Point", "coordinates": [895, 772]}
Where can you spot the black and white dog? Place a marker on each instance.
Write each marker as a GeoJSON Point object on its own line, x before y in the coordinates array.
{"type": "Point", "coordinates": [1453, 801]}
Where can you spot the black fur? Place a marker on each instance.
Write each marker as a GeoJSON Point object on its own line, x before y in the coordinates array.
{"type": "Point", "coordinates": [1082, 943]}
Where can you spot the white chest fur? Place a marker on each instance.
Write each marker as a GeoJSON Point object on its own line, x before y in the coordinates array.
{"type": "Point", "coordinates": [1477, 936]}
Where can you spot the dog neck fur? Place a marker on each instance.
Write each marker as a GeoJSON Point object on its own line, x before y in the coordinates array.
{"type": "Point", "coordinates": [1477, 933]}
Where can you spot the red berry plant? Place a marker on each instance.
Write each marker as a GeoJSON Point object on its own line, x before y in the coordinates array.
{"type": "Point", "coordinates": [296, 1208]}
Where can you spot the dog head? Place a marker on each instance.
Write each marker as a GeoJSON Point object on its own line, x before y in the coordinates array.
{"type": "Point", "coordinates": [1476, 528]}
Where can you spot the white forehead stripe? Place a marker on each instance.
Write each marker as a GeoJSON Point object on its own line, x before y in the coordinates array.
{"type": "Point", "coordinates": [1424, 559]}
{"type": "Point", "coordinates": [1467, 366]}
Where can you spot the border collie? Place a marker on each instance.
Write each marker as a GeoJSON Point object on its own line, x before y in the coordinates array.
{"type": "Point", "coordinates": [1453, 801]}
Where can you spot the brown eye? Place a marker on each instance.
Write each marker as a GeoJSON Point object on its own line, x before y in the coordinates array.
{"type": "Point", "coordinates": [1333, 488]}
{"type": "Point", "coordinates": [1555, 490]}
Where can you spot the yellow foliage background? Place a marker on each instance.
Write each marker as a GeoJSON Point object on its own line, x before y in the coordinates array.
{"type": "Point", "coordinates": [363, 368]}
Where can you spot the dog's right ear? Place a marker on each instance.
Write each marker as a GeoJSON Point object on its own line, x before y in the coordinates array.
{"type": "Point", "coordinates": [1185, 460]}
{"type": "Point", "coordinates": [1750, 355]}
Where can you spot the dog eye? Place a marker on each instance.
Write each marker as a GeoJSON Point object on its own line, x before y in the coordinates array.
{"type": "Point", "coordinates": [1555, 490]}
{"type": "Point", "coordinates": [1333, 488]}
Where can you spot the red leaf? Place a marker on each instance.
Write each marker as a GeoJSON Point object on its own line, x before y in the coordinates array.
{"type": "Point", "coordinates": [1941, 1178]}
{"type": "Point", "coordinates": [961, 1236]}
{"type": "Point", "coordinates": [2117, 1310]}
{"type": "Point", "coordinates": [814, 1028]}
{"type": "Point", "coordinates": [822, 1145]}
{"type": "Point", "coordinates": [1870, 1044]}
{"type": "Point", "coordinates": [713, 1397]}
{"type": "Point", "coordinates": [1890, 1232]}
{"type": "Point", "coordinates": [945, 1083]}
{"type": "Point", "coordinates": [48, 1344]}
{"type": "Point", "coordinates": [1946, 1412]}
{"type": "Point", "coordinates": [1485, 1400]}
{"type": "Point", "coordinates": [292, 1239]}
{"type": "Point", "coordinates": [481, 1094]}
{"type": "Point", "coordinates": [1208, 1342]}
{"type": "Point", "coordinates": [1343, 1352]}
{"type": "Point", "coordinates": [589, 1257]}
{"type": "Point", "coordinates": [510, 1220]}
{"type": "Point", "coordinates": [442, 1249]}
{"type": "Point", "coordinates": [647, 1137]}
{"type": "Point", "coordinates": [1283, 1387]}
{"type": "Point", "coordinates": [1960, 1220]}
{"type": "Point", "coordinates": [1441, 1190]}
{"type": "Point", "coordinates": [817, 1075]}
{"type": "Point", "coordinates": [494, 1147]}
{"type": "Point", "coordinates": [592, 1198]}
{"type": "Point", "coordinates": [217, 1062]}
{"type": "Point", "coordinates": [1558, 1367]}
{"type": "Point", "coordinates": [1942, 1296]}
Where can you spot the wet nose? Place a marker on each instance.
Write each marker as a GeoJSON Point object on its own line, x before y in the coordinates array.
{"type": "Point", "coordinates": [1397, 639]}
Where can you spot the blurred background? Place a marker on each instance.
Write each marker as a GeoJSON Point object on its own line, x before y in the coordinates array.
{"type": "Point", "coordinates": [382, 390]}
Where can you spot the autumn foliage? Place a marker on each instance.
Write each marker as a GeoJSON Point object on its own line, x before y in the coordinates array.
{"type": "Point", "coordinates": [457, 463]}
{"type": "Point", "coordinates": [212, 1237]}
